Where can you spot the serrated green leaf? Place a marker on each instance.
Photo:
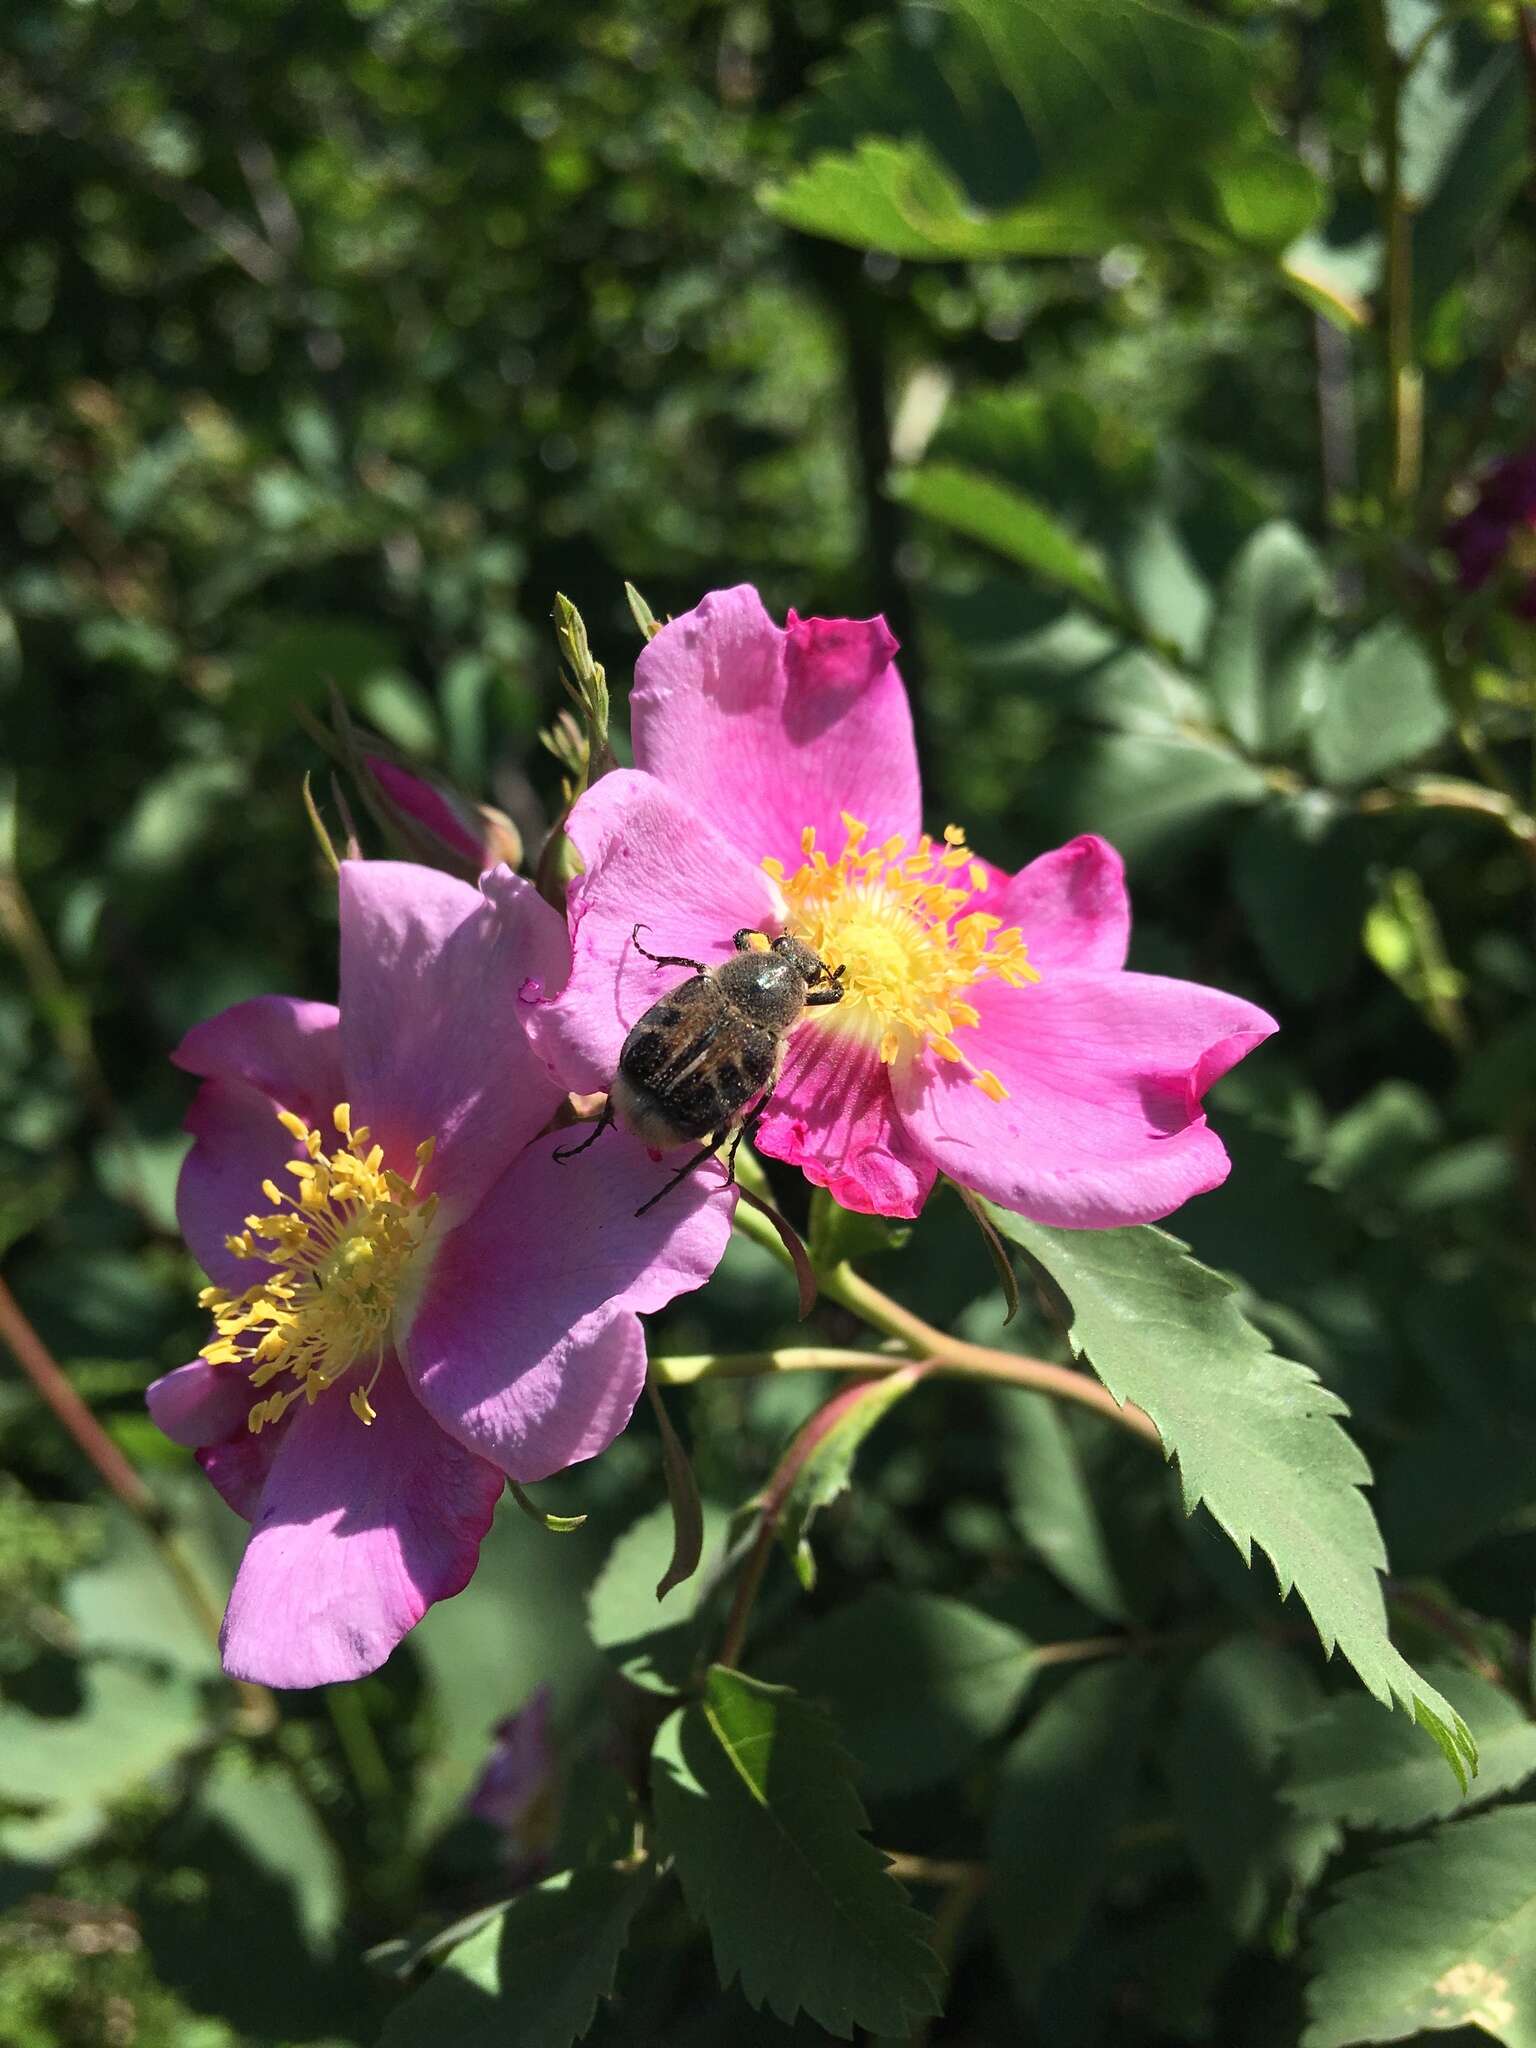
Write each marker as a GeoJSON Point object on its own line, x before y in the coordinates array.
{"type": "Point", "coordinates": [1257, 1438]}
{"type": "Point", "coordinates": [1352, 1765]}
{"type": "Point", "coordinates": [1434, 1934]}
{"type": "Point", "coordinates": [654, 1643]}
{"type": "Point", "coordinates": [534, 1973]}
{"type": "Point", "coordinates": [1382, 707]}
{"type": "Point", "coordinates": [755, 1803]}
{"type": "Point", "coordinates": [1239, 1703]}
{"type": "Point", "coordinates": [827, 1468]}
{"type": "Point", "coordinates": [915, 1682]}
{"type": "Point", "coordinates": [1262, 658]}
{"type": "Point", "coordinates": [1065, 1785]}
{"type": "Point", "coordinates": [1053, 1507]}
{"type": "Point", "coordinates": [1013, 523]}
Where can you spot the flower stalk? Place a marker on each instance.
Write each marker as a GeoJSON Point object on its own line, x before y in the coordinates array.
{"type": "Point", "coordinates": [918, 1340]}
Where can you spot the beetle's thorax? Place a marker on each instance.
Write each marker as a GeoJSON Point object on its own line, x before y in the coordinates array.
{"type": "Point", "coordinates": [766, 988]}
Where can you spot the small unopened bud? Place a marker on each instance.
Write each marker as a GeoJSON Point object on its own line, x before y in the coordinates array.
{"type": "Point", "coordinates": [436, 819]}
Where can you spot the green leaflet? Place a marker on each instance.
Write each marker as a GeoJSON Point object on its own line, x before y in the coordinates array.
{"type": "Point", "coordinates": [1013, 523]}
{"type": "Point", "coordinates": [1382, 707]}
{"type": "Point", "coordinates": [755, 1803]}
{"type": "Point", "coordinates": [1435, 1933]}
{"type": "Point", "coordinates": [1257, 1438]}
{"type": "Point", "coordinates": [533, 1973]}
{"type": "Point", "coordinates": [1350, 1764]}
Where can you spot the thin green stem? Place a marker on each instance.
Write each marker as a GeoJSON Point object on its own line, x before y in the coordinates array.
{"type": "Point", "coordinates": [918, 1340]}
{"type": "Point", "coordinates": [358, 1743]}
{"type": "Point", "coordinates": [1404, 379]}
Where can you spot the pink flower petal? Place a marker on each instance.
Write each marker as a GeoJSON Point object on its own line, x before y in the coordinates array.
{"type": "Point", "coordinates": [652, 860]}
{"type": "Point", "coordinates": [238, 1143]}
{"type": "Point", "coordinates": [1103, 1124]}
{"type": "Point", "coordinates": [237, 1469]}
{"type": "Point", "coordinates": [200, 1404]}
{"type": "Point", "coordinates": [286, 1048]}
{"type": "Point", "coordinates": [360, 1529]}
{"type": "Point", "coordinates": [525, 1343]}
{"type": "Point", "coordinates": [432, 972]}
{"type": "Point", "coordinates": [1071, 906]}
{"type": "Point", "coordinates": [206, 1407]}
{"type": "Point", "coordinates": [766, 731]}
{"type": "Point", "coordinates": [832, 1116]}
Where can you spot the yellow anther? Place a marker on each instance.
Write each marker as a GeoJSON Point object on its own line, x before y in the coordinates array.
{"type": "Point", "coordinates": [898, 923]}
{"type": "Point", "coordinates": [333, 1262]}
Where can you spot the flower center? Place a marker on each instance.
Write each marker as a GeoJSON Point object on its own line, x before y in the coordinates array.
{"type": "Point", "coordinates": [897, 922]}
{"type": "Point", "coordinates": [337, 1251]}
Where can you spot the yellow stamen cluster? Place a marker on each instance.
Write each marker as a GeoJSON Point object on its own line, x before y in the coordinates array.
{"type": "Point", "coordinates": [337, 1251]}
{"type": "Point", "coordinates": [897, 922]}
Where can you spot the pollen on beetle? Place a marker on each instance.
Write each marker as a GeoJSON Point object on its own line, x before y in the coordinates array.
{"type": "Point", "coordinates": [898, 922]}
{"type": "Point", "coordinates": [337, 1249]}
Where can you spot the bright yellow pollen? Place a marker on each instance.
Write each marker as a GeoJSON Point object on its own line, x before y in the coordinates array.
{"type": "Point", "coordinates": [897, 922]}
{"type": "Point", "coordinates": [336, 1256]}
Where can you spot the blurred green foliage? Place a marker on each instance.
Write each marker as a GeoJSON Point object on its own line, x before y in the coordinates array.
{"type": "Point", "coordinates": [1121, 355]}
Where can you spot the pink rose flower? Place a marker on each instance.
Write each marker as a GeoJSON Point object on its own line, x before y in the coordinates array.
{"type": "Point", "coordinates": [1499, 533]}
{"type": "Point", "coordinates": [428, 1303]}
{"type": "Point", "coordinates": [989, 1029]}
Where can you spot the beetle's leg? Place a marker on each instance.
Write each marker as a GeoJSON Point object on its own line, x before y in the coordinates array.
{"type": "Point", "coordinates": [662, 959]}
{"type": "Point", "coordinates": [747, 1128]}
{"type": "Point", "coordinates": [605, 1118]}
{"type": "Point", "coordinates": [744, 938]}
{"type": "Point", "coordinates": [683, 1172]}
{"type": "Point", "coordinates": [830, 992]}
